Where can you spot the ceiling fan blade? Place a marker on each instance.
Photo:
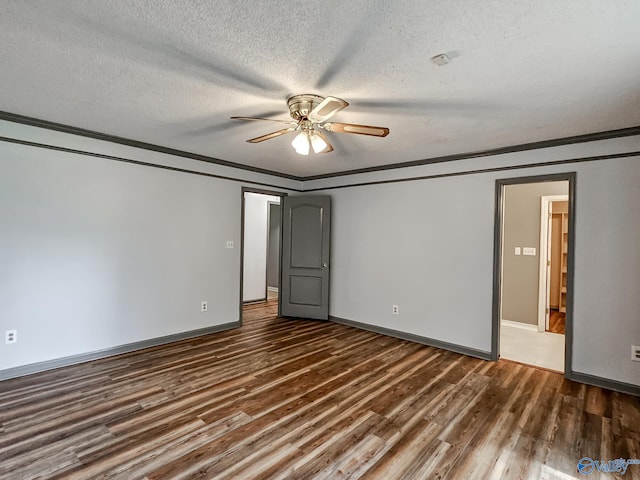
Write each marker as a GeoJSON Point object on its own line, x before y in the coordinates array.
{"type": "Point", "coordinates": [329, 147]}
{"type": "Point", "coordinates": [326, 109]}
{"type": "Point", "coordinates": [357, 129]}
{"type": "Point", "coordinates": [265, 119]}
{"type": "Point", "coordinates": [271, 135]}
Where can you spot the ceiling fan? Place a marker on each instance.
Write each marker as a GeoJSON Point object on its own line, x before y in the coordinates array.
{"type": "Point", "coordinates": [310, 114]}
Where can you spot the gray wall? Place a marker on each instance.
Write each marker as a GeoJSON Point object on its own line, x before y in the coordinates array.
{"type": "Point", "coordinates": [427, 246]}
{"type": "Point", "coordinates": [607, 310]}
{"type": "Point", "coordinates": [522, 229]}
{"type": "Point", "coordinates": [95, 253]}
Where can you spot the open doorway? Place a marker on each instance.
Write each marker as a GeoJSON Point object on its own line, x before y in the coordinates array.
{"type": "Point", "coordinates": [260, 248]}
{"type": "Point", "coordinates": [533, 271]}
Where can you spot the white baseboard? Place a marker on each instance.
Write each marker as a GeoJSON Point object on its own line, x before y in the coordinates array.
{"type": "Point", "coordinates": [273, 289]}
{"type": "Point", "coordinates": [524, 326]}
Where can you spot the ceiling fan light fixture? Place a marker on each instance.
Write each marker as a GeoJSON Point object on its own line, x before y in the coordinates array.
{"type": "Point", "coordinates": [301, 143]}
{"type": "Point", "coordinates": [317, 143]}
{"type": "Point", "coordinates": [310, 114]}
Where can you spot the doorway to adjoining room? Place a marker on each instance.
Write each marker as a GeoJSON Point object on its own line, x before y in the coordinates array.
{"type": "Point", "coordinates": [534, 257]}
{"type": "Point", "coordinates": [261, 247]}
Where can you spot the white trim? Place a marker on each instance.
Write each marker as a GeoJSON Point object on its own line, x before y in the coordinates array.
{"type": "Point", "coordinates": [543, 280]}
{"type": "Point", "coordinates": [272, 289]}
{"type": "Point", "coordinates": [524, 326]}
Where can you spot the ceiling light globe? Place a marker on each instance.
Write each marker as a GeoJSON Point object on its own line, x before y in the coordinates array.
{"type": "Point", "coordinates": [317, 143]}
{"type": "Point", "coordinates": [301, 143]}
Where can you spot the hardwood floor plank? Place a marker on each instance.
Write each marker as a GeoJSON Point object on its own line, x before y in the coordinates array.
{"type": "Point", "coordinates": [52, 456]}
{"type": "Point", "coordinates": [325, 456]}
{"type": "Point", "coordinates": [401, 454]}
{"type": "Point", "coordinates": [311, 434]}
{"type": "Point", "coordinates": [58, 428]}
{"type": "Point", "coordinates": [286, 398]}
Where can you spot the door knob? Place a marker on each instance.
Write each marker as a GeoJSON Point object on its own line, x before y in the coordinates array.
{"type": "Point", "coordinates": [324, 265]}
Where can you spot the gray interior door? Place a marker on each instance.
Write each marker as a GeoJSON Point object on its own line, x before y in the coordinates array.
{"type": "Point", "coordinates": [305, 256]}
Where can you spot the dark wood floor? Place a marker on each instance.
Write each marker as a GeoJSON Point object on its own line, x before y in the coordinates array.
{"type": "Point", "coordinates": [282, 398]}
{"type": "Point", "coordinates": [556, 322]}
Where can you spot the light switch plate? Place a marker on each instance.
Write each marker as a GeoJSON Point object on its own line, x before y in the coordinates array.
{"type": "Point", "coordinates": [517, 251]}
{"type": "Point", "coordinates": [529, 251]}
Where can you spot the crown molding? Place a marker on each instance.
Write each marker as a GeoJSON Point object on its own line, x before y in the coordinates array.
{"type": "Point", "coordinates": [557, 142]}
{"type": "Point", "coordinates": [59, 127]}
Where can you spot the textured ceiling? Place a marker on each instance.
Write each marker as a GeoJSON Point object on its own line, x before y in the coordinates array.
{"type": "Point", "coordinates": [171, 73]}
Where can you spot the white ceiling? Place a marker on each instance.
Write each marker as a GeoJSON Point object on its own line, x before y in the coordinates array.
{"type": "Point", "coordinates": [171, 73]}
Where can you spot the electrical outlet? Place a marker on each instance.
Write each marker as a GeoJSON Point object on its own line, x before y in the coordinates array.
{"type": "Point", "coordinates": [230, 244]}
{"type": "Point", "coordinates": [203, 306]}
{"type": "Point", "coordinates": [635, 353]}
{"type": "Point", "coordinates": [395, 309]}
{"type": "Point", "coordinates": [11, 336]}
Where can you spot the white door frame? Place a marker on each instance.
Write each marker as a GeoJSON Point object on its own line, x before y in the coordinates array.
{"type": "Point", "coordinates": [544, 276]}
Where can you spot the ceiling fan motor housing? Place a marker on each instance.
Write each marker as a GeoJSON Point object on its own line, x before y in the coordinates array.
{"type": "Point", "coordinates": [301, 105]}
